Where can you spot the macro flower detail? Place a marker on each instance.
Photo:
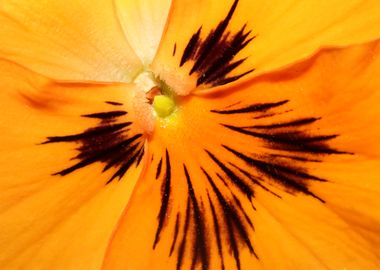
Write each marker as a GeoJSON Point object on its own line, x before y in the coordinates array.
{"type": "Point", "coordinates": [213, 57]}
{"type": "Point", "coordinates": [190, 134]}
{"type": "Point", "coordinates": [109, 142]}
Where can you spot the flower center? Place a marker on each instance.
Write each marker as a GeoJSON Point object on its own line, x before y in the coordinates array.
{"type": "Point", "coordinates": [163, 105]}
{"type": "Point", "coordinates": [154, 100]}
{"type": "Point", "coordinates": [157, 93]}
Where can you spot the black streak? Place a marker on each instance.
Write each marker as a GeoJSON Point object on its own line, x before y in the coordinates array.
{"type": "Point", "coordinates": [217, 231]}
{"type": "Point", "coordinates": [182, 246]}
{"type": "Point", "coordinates": [200, 247]}
{"type": "Point", "coordinates": [290, 177]}
{"type": "Point", "coordinates": [174, 49]}
{"type": "Point", "coordinates": [105, 115]}
{"type": "Point", "coordinates": [191, 47]}
{"type": "Point", "coordinates": [233, 224]}
{"type": "Point", "coordinates": [232, 176]}
{"type": "Point", "coordinates": [214, 57]}
{"type": "Point", "coordinates": [293, 141]}
{"type": "Point", "coordinates": [176, 231]}
{"type": "Point", "coordinates": [261, 107]}
{"type": "Point", "coordinates": [298, 122]}
{"type": "Point", "coordinates": [166, 187]}
{"type": "Point", "coordinates": [108, 142]}
{"type": "Point", "coordinates": [114, 103]}
{"type": "Point", "coordinates": [158, 171]}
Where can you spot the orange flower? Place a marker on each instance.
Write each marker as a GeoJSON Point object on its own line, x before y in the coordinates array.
{"type": "Point", "coordinates": [239, 135]}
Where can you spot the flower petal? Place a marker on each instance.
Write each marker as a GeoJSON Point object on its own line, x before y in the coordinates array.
{"type": "Point", "coordinates": [56, 209]}
{"type": "Point", "coordinates": [209, 43]}
{"type": "Point", "coordinates": [278, 174]}
{"type": "Point", "coordinates": [67, 40]}
{"type": "Point", "coordinates": [143, 22]}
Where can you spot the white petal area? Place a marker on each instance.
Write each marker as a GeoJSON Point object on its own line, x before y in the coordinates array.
{"type": "Point", "coordinates": [143, 22]}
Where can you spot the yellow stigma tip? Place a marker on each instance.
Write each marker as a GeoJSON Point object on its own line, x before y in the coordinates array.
{"type": "Point", "coordinates": [163, 105]}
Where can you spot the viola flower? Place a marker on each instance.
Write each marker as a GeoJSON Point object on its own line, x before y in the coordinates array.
{"type": "Point", "coordinates": [190, 134]}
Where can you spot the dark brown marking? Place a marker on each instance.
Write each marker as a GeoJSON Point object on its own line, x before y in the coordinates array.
{"type": "Point", "coordinates": [174, 49]}
{"type": "Point", "coordinates": [200, 243]}
{"type": "Point", "coordinates": [214, 57]}
{"type": "Point", "coordinates": [191, 48]}
{"type": "Point", "coordinates": [114, 103]}
{"type": "Point", "coordinates": [293, 141]}
{"type": "Point", "coordinates": [158, 171]}
{"type": "Point", "coordinates": [182, 246]}
{"type": "Point", "coordinates": [295, 123]}
{"type": "Point", "coordinates": [239, 182]}
{"type": "Point", "coordinates": [108, 142]}
{"type": "Point", "coordinates": [217, 231]}
{"type": "Point", "coordinates": [106, 115]}
{"type": "Point", "coordinates": [176, 231]}
{"type": "Point", "coordinates": [254, 108]}
{"type": "Point", "coordinates": [165, 197]}
{"type": "Point", "coordinates": [233, 223]}
{"type": "Point", "coordinates": [290, 177]}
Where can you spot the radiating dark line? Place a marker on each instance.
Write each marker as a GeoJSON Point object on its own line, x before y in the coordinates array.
{"type": "Point", "coordinates": [288, 170]}
{"type": "Point", "coordinates": [229, 212]}
{"type": "Point", "coordinates": [114, 103]}
{"type": "Point", "coordinates": [265, 116]}
{"type": "Point", "coordinates": [105, 115]}
{"type": "Point", "coordinates": [140, 156]}
{"type": "Point", "coordinates": [293, 141]}
{"type": "Point", "coordinates": [191, 47]}
{"type": "Point", "coordinates": [255, 181]}
{"type": "Point", "coordinates": [200, 231]}
{"type": "Point", "coordinates": [176, 231]}
{"type": "Point", "coordinates": [174, 49]}
{"type": "Point", "coordinates": [98, 131]}
{"type": "Point", "coordinates": [233, 222]}
{"type": "Point", "coordinates": [182, 246]}
{"type": "Point", "coordinates": [158, 171]}
{"type": "Point", "coordinates": [213, 57]}
{"type": "Point", "coordinates": [247, 218]}
{"type": "Point", "coordinates": [213, 39]}
{"type": "Point", "coordinates": [221, 178]}
{"type": "Point", "coordinates": [280, 173]}
{"type": "Point", "coordinates": [166, 190]}
{"type": "Point", "coordinates": [295, 123]}
{"type": "Point", "coordinates": [233, 177]}
{"type": "Point", "coordinates": [102, 145]}
{"type": "Point", "coordinates": [126, 165]}
{"type": "Point", "coordinates": [261, 107]}
{"type": "Point", "coordinates": [216, 229]}
{"type": "Point", "coordinates": [117, 159]}
{"type": "Point", "coordinates": [222, 61]}
{"type": "Point", "coordinates": [220, 73]}
{"type": "Point", "coordinates": [295, 158]}
{"type": "Point", "coordinates": [232, 79]}
{"type": "Point", "coordinates": [98, 156]}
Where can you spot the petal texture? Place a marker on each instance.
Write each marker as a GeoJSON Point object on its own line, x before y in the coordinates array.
{"type": "Point", "coordinates": [67, 40]}
{"type": "Point", "coordinates": [56, 210]}
{"type": "Point", "coordinates": [279, 173]}
{"type": "Point", "coordinates": [218, 43]}
{"type": "Point", "coordinates": [143, 22]}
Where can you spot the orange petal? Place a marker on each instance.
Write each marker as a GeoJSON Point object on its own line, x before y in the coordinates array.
{"type": "Point", "coordinates": [67, 40]}
{"type": "Point", "coordinates": [56, 210]}
{"type": "Point", "coordinates": [281, 173]}
{"type": "Point", "coordinates": [218, 43]}
{"type": "Point", "coordinates": [143, 22]}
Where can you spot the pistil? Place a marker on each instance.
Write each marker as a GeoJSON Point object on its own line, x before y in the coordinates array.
{"type": "Point", "coordinates": [154, 100]}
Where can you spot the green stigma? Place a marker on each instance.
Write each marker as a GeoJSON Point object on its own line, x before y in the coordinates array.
{"type": "Point", "coordinates": [163, 105]}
